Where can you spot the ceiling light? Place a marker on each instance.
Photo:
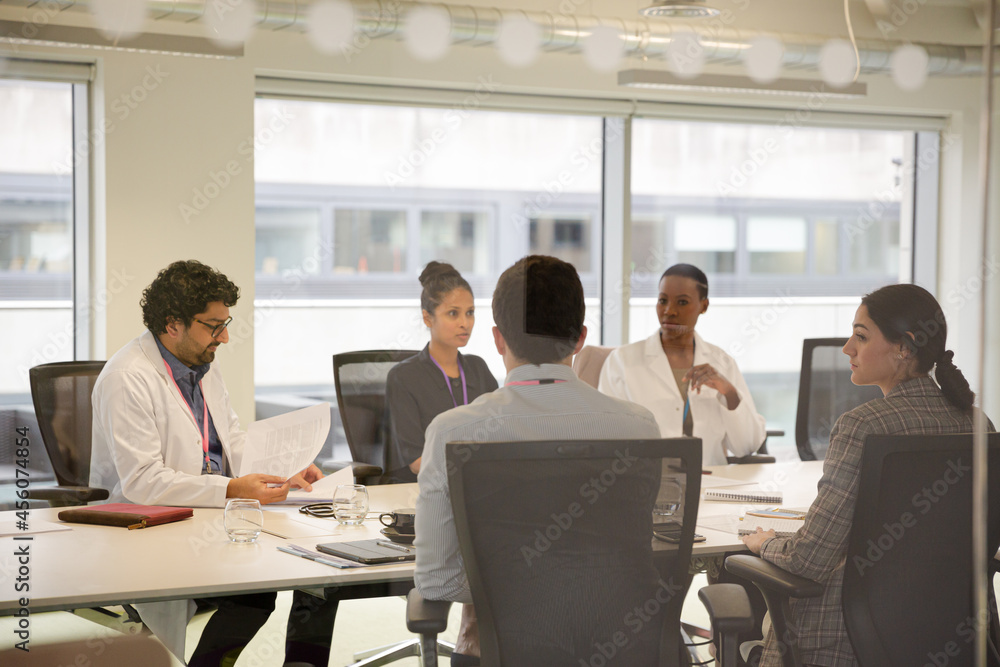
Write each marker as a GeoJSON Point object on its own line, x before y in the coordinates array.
{"type": "Point", "coordinates": [661, 79]}
{"type": "Point", "coordinates": [688, 9]}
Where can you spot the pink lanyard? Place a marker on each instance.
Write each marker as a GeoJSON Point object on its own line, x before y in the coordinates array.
{"type": "Point", "coordinates": [523, 383]}
{"type": "Point", "coordinates": [204, 420]}
{"type": "Point", "coordinates": [447, 381]}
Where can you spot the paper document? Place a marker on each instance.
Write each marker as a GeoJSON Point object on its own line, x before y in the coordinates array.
{"type": "Point", "coordinates": [285, 445]}
{"type": "Point", "coordinates": [322, 491]}
{"type": "Point", "coordinates": [281, 525]}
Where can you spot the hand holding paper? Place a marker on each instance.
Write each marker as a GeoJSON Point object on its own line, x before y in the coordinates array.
{"type": "Point", "coordinates": [287, 444]}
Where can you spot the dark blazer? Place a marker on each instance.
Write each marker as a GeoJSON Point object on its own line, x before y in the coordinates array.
{"type": "Point", "coordinates": [416, 393]}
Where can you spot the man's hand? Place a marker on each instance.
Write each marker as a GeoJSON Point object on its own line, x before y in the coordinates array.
{"type": "Point", "coordinates": [305, 478]}
{"type": "Point", "coordinates": [755, 541]}
{"type": "Point", "coordinates": [256, 486]}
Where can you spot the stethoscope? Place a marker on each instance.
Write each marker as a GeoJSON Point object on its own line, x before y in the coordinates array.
{"type": "Point", "coordinates": [324, 510]}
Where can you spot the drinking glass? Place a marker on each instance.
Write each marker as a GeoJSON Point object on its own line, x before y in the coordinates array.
{"type": "Point", "coordinates": [350, 504]}
{"type": "Point", "coordinates": [243, 520]}
{"type": "Point", "coordinates": [668, 500]}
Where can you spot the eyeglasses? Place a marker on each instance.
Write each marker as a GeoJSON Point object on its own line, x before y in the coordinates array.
{"type": "Point", "coordinates": [217, 329]}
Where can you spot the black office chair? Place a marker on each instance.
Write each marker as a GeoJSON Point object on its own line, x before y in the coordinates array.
{"type": "Point", "coordinates": [908, 577]}
{"type": "Point", "coordinates": [359, 378]}
{"type": "Point", "coordinates": [556, 540]}
{"type": "Point", "coordinates": [61, 395]}
{"type": "Point", "coordinates": [825, 393]}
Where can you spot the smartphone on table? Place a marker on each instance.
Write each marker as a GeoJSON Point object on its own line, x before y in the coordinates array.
{"type": "Point", "coordinates": [670, 531]}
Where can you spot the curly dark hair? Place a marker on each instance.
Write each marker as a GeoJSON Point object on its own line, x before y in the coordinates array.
{"type": "Point", "coordinates": [181, 291]}
{"type": "Point", "coordinates": [538, 307]}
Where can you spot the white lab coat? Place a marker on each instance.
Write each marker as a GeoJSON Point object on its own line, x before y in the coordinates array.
{"type": "Point", "coordinates": [147, 450]}
{"type": "Point", "coordinates": [639, 372]}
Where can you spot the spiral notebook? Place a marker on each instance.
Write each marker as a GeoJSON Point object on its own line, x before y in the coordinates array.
{"type": "Point", "coordinates": [744, 494]}
{"type": "Point", "coordinates": [781, 527]}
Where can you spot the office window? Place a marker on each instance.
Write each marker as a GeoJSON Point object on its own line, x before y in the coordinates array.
{"type": "Point", "coordinates": [776, 245]}
{"type": "Point", "coordinates": [707, 241]}
{"type": "Point", "coordinates": [791, 225]}
{"type": "Point", "coordinates": [566, 237]}
{"type": "Point", "coordinates": [285, 237]}
{"type": "Point", "coordinates": [353, 200]}
{"type": "Point", "coordinates": [460, 238]}
{"type": "Point", "coordinates": [38, 223]}
{"type": "Point", "coordinates": [369, 241]}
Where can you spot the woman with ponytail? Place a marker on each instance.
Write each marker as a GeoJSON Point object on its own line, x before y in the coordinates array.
{"type": "Point", "coordinates": [898, 344]}
{"type": "Point", "coordinates": [439, 377]}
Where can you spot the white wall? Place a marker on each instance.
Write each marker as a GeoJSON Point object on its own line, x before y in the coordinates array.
{"type": "Point", "coordinates": [197, 112]}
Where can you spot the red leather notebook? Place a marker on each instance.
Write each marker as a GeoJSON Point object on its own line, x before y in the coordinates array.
{"type": "Point", "coordinates": [126, 515]}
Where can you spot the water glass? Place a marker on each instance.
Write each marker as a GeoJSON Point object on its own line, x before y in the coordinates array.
{"type": "Point", "coordinates": [669, 499]}
{"type": "Point", "coordinates": [350, 504]}
{"type": "Point", "coordinates": [243, 520]}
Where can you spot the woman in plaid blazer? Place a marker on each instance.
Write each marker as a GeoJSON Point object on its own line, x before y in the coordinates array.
{"type": "Point", "coordinates": [898, 339]}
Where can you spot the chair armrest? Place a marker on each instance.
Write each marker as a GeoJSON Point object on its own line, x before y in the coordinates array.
{"type": "Point", "coordinates": [770, 576]}
{"type": "Point", "coordinates": [426, 616]}
{"type": "Point", "coordinates": [728, 607]}
{"type": "Point", "coordinates": [751, 458]}
{"type": "Point", "coordinates": [361, 470]}
{"type": "Point", "coordinates": [65, 496]}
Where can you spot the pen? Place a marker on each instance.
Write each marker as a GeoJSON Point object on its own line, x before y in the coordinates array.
{"type": "Point", "coordinates": [308, 556]}
{"type": "Point", "coordinates": [393, 545]}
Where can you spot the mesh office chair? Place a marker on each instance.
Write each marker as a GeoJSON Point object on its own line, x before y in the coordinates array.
{"type": "Point", "coordinates": [907, 592]}
{"type": "Point", "coordinates": [825, 393]}
{"type": "Point", "coordinates": [556, 540]}
{"type": "Point", "coordinates": [359, 378]}
{"type": "Point", "coordinates": [61, 396]}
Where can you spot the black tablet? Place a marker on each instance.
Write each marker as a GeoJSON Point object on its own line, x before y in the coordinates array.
{"type": "Point", "coordinates": [369, 552]}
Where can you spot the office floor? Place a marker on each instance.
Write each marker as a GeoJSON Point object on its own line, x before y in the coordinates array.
{"type": "Point", "coordinates": [361, 625]}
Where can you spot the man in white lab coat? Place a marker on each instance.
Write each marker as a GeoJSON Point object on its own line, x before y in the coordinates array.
{"type": "Point", "coordinates": [165, 434]}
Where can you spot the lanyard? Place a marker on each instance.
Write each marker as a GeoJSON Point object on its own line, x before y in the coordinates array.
{"type": "Point", "coordinates": [687, 397]}
{"type": "Point", "coordinates": [447, 382]}
{"type": "Point", "coordinates": [528, 382]}
{"type": "Point", "coordinates": [204, 418]}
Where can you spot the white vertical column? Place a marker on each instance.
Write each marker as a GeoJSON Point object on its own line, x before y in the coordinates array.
{"type": "Point", "coordinates": [617, 237]}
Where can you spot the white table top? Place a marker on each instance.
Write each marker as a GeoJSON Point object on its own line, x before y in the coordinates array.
{"type": "Point", "coordinates": [98, 565]}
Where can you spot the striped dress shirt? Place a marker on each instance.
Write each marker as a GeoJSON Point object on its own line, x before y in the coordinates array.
{"type": "Point", "coordinates": [818, 551]}
{"type": "Point", "coordinates": [568, 409]}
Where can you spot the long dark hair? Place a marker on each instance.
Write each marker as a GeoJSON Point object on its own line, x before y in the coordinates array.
{"type": "Point", "coordinates": [910, 315]}
{"type": "Point", "coordinates": [438, 279]}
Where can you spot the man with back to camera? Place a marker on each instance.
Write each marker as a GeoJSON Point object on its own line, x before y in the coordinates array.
{"type": "Point", "coordinates": [165, 434]}
{"type": "Point", "coordinates": [541, 399]}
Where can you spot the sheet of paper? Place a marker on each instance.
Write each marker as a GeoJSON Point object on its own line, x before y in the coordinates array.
{"type": "Point", "coordinates": [35, 526]}
{"type": "Point", "coordinates": [281, 525]}
{"type": "Point", "coordinates": [322, 491]}
{"type": "Point", "coordinates": [286, 444]}
{"type": "Point", "coordinates": [713, 481]}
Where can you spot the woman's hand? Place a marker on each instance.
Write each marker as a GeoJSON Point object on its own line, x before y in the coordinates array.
{"type": "Point", "coordinates": [755, 541]}
{"type": "Point", "coordinates": [704, 375]}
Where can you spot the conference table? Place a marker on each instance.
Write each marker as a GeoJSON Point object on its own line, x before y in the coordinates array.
{"type": "Point", "coordinates": [99, 565]}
